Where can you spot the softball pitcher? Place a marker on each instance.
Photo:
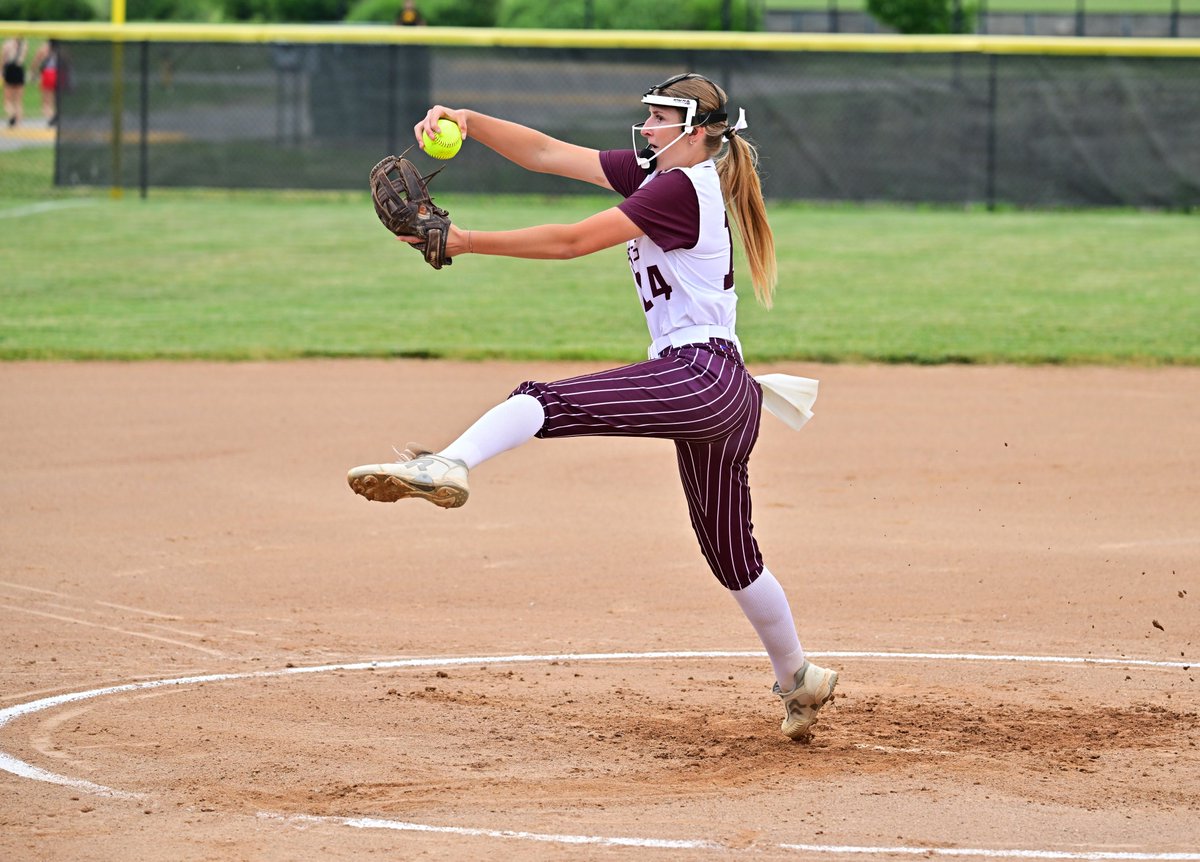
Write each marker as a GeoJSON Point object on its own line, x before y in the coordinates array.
{"type": "Point", "coordinates": [694, 388]}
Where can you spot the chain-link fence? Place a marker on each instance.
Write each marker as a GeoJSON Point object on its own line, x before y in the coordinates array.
{"type": "Point", "coordinates": [938, 127]}
{"type": "Point", "coordinates": [1144, 25]}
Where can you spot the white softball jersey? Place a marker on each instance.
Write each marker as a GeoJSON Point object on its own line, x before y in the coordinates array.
{"type": "Point", "coordinates": [683, 263]}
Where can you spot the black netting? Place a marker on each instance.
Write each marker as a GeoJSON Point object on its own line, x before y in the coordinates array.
{"type": "Point", "coordinates": [1028, 130]}
{"type": "Point", "coordinates": [1156, 20]}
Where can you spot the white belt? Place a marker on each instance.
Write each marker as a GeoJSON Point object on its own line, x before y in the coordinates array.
{"type": "Point", "coordinates": [785, 396]}
{"type": "Point", "coordinates": [691, 335]}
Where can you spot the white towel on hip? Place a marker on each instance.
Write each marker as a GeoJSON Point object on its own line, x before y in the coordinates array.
{"type": "Point", "coordinates": [789, 397]}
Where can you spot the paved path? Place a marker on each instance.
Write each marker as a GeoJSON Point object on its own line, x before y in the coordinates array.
{"type": "Point", "coordinates": [31, 132]}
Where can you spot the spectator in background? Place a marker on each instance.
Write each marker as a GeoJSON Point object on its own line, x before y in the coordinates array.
{"type": "Point", "coordinates": [46, 61]}
{"type": "Point", "coordinates": [13, 54]}
{"type": "Point", "coordinates": [409, 15]}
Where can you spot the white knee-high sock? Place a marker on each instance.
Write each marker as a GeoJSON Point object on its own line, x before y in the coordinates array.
{"type": "Point", "coordinates": [504, 427]}
{"type": "Point", "coordinates": [766, 606]}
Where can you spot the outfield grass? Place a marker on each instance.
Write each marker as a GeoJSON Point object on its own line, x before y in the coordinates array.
{"type": "Point", "coordinates": [279, 275]}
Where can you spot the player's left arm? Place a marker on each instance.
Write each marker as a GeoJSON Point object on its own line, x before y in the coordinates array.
{"type": "Point", "coordinates": [548, 241]}
{"type": "Point", "coordinates": [521, 145]}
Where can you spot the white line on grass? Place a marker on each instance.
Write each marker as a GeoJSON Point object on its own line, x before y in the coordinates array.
{"type": "Point", "coordinates": [45, 206]}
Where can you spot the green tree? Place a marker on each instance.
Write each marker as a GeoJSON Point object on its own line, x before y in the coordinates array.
{"type": "Point", "coordinates": [47, 10]}
{"type": "Point", "coordinates": [631, 14]}
{"type": "Point", "coordinates": [306, 11]}
{"type": "Point", "coordinates": [285, 11]}
{"type": "Point", "coordinates": [914, 16]}
{"type": "Point", "coordinates": [171, 10]}
{"type": "Point", "coordinates": [247, 10]}
{"type": "Point", "coordinates": [437, 13]}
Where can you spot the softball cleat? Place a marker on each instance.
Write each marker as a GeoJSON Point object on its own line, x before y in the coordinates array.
{"type": "Point", "coordinates": [441, 481]}
{"type": "Point", "coordinates": [813, 689]}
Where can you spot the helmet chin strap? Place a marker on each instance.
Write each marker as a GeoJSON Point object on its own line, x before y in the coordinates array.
{"type": "Point", "coordinates": [688, 106]}
{"type": "Point", "coordinates": [646, 155]}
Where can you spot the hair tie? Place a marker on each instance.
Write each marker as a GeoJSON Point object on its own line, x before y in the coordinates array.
{"type": "Point", "coordinates": [738, 126]}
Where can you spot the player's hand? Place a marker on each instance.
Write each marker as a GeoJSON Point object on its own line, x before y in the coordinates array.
{"type": "Point", "coordinates": [429, 124]}
{"type": "Point", "coordinates": [458, 241]}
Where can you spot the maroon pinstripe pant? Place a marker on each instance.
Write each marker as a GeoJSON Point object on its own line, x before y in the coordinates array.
{"type": "Point", "coordinates": [699, 396]}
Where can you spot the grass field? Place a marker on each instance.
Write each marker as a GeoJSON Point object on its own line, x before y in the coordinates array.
{"type": "Point", "coordinates": [275, 275]}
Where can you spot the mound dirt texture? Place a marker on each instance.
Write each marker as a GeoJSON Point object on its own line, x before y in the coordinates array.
{"type": "Point", "coordinates": [551, 672]}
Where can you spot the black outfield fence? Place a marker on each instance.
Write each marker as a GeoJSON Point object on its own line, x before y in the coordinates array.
{"type": "Point", "coordinates": [1164, 23]}
{"type": "Point", "coordinates": [950, 126]}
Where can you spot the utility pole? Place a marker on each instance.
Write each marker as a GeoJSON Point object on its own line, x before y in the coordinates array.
{"type": "Point", "coordinates": [118, 99]}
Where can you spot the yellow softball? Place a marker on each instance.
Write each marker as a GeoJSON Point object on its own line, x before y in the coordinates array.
{"type": "Point", "coordinates": [448, 142]}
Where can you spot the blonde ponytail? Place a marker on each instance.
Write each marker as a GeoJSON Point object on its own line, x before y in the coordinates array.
{"type": "Point", "coordinates": [738, 170]}
{"type": "Point", "coordinates": [737, 167]}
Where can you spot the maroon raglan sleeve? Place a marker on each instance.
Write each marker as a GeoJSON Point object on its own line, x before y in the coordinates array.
{"type": "Point", "coordinates": [667, 208]}
{"type": "Point", "coordinates": [621, 170]}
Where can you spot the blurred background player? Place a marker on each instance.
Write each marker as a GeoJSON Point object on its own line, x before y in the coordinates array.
{"type": "Point", "coordinates": [12, 53]}
{"type": "Point", "coordinates": [694, 388]}
{"type": "Point", "coordinates": [46, 61]}
{"type": "Point", "coordinates": [409, 15]}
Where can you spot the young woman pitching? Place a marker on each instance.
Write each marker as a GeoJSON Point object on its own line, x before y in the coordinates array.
{"type": "Point", "coordinates": [694, 388]}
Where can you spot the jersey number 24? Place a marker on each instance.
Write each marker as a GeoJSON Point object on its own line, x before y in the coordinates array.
{"type": "Point", "coordinates": [659, 285]}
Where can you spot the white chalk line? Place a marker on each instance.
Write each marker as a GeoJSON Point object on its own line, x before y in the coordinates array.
{"type": "Point", "coordinates": [989, 853]}
{"type": "Point", "coordinates": [13, 586]}
{"type": "Point", "coordinates": [26, 770]}
{"type": "Point", "coordinates": [45, 206]}
{"type": "Point", "coordinates": [15, 766]}
{"type": "Point", "coordinates": [470, 832]}
{"type": "Point", "coordinates": [156, 614]}
{"type": "Point", "coordinates": [118, 629]}
{"type": "Point", "coordinates": [891, 749]}
{"type": "Point", "coordinates": [701, 844]}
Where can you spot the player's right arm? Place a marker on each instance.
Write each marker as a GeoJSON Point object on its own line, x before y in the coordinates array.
{"type": "Point", "coordinates": [521, 145]}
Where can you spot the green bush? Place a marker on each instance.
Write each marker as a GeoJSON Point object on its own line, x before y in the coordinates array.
{"type": "Point", "coordinates": [437, 13]}
{"type": "Point", "coordinates": [170, 10]}
{"type": "Point", "coordinates": [924, 16]}
{"type": "Point", "coordinates": [47, 10]}
{"type": "Point", "coordinates": [374, 10]}
{"type": "Point", "coordinates": [912, 16]}
{"type": "Point", "coordinates": [247, 10]}
{"type": "Point", "coordinates": [689, 15]}
{"type": "Point", "coordinates": [459, 13]}
{"type": "Point", "coordinates": [306, 11]}
{"type": "Point", "coordinates": [630, 14]}
{"type": "Point", "coordinates": [544, 13]}
{"type": "Point", "coordinates": [285, 11]}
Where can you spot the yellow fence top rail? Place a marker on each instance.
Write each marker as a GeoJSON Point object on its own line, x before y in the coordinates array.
{"type": "Point", "coordinates": [644, 39]}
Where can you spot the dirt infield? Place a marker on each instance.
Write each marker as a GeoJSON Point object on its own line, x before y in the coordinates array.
{"type": "Point", "coordinates": [166, 521]}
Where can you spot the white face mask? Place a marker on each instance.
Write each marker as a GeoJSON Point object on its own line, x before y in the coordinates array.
{"type": "Point", "coordinates": [645, 155]}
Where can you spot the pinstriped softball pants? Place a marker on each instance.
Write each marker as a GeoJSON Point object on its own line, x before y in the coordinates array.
{"type": "Point", "coordinates": [702, 398]}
